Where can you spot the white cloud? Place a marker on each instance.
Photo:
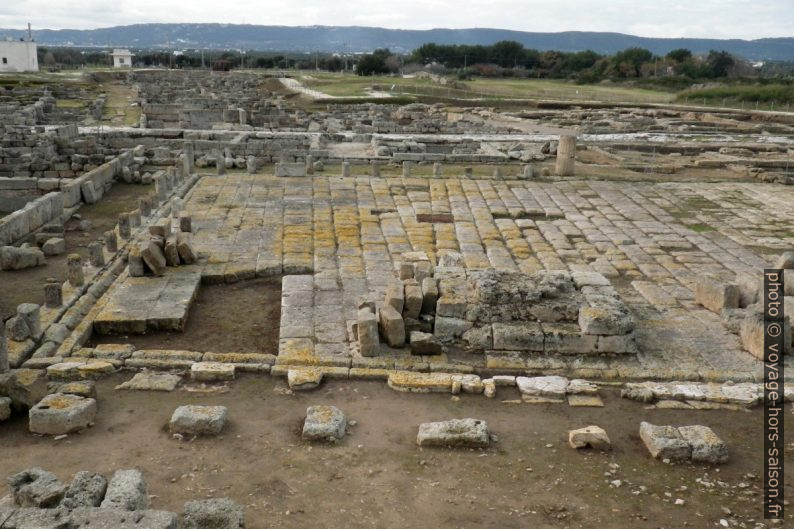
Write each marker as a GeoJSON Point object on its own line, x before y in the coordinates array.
{"type": "Point", "coordinates": [652, 18]}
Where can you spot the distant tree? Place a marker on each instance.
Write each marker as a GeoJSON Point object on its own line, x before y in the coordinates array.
{"type": "Point", "coordinates": [719, 63]}
{"type": "Point", "coordinates": [628, 63]}
{"type": "Point", "coordinates": [679, 55]}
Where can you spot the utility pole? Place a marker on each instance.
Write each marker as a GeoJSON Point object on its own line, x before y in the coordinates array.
{"type": "Point", "coordinates": [202, 59]}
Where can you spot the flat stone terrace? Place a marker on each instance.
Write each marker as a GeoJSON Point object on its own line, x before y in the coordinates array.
{"type": "Point", "coordinates": [346, 234]}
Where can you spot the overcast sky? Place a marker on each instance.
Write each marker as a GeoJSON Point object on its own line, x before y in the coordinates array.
{"type": "Point", "coordinates": [650, 18]}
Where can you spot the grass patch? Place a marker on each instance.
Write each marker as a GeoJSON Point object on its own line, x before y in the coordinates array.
{"type": "Point", "coordinates": [700, 228]}
{"type": "Point", "coordinates": [776, 93]}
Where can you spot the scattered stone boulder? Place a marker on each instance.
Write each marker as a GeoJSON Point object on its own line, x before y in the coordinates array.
{"type": "Point", "coordinates": [35, 487]}
{"type": "Point", "coordinates": [214, 513]}
{"type": "Point", "coordinates": [14, 258]}
{"type": "Point", "coordinates": [25, 387]}
{"type": "Point", "coordinates": [151, 381]}
{"type": "Point", "coordinates": [198, 420]}
{"type": "Point", "coordinates": [469, 433]}
{"type": "Point", "coordinates": [126, 491]}
{"type": "Point", "coordinates": [589, 437]}
{"type": "Point", "coordinates": [60, 413]}
{"type": "Point", "coordinates": [706, 446]}
{"type": "Point", "coordinates": [304, 378]}
{"type": "Point", "coordinates": [324, 423]}
{"type": "Point", "coordinates": [392, 326]}
{"type": "Point", "coordinates": [54, 246]}
{"type": "Point", "coordinates": [686, 443]}
{"type": "Point", "coordinates": [785, 261]}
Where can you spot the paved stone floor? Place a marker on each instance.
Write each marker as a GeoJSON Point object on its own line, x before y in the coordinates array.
{"type": "Point", "coordinates": [652, 240]}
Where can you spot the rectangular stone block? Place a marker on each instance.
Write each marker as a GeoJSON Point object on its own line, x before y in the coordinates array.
{"type": "Point", "coordinates": [518, 336]}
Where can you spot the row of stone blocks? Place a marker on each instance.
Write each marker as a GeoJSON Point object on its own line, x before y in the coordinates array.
{"type": "Point", "coordinates": [39, 499]}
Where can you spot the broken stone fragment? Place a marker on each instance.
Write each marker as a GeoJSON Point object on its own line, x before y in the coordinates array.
{"type": "Point", "coordinates": [706, 446]}
{"type": "Point", "coordinates": [198, 420]}
{"type": "Point", "coordinates": [17, 329]}
{"type": "Point", "coordinates": [153, 257]}
{"type": "Point", "coordinates": [413, 299]}
{"type": "Point", "coordinates": [468, 433]}
{"type": "Point", "coordinates": [367, 326]}
{"type": "Point", "coordinates": [392, 326]}
{"type": "Point", "coordinates": [716, 295]}
{"type": "Point", "coordinates": [35, 487]}
{"type": "Point", "coordinates": [213, 513]}
{"type": "Point", "coordinates": [184, 247]}
{"type": "Point", "coordinates": [395, 297]}
{"type": "Point", "coordinates": [423, 343]}
{"type": "Point", "coordinates": [665, 442]}
{"type": "Point", "coordinates": [324, 423]}
{"type": "Point", "coordinates": [429, 295]}
{"type": "Point", "coordinates": [170, 251]}
{"type": "Point", "coordinates": [591, 436]}
{"type": "Point", "coordinates": [86, 490]}
{"type": "Point", "coordinates": [151, 381]}
{"type": "Point", "coordinates": [304, 378]}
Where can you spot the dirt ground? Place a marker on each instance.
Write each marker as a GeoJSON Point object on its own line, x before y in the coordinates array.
{"type": "Point", "coordinates": [235, 318]}
{"type": "Point", "coordinates": [378, 477]}
{"type": "Point", "coordinates": [27, 286]}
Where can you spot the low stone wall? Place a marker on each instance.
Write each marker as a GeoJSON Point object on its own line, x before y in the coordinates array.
{"type": "Point", "coordinates": [87, 188]}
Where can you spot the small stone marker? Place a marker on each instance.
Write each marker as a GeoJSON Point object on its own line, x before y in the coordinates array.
{"type": "Point", "coordinates": [74, 272]}
{"type": "Point", "coordinates": [111, 241]}
{"type": "Point", "coordinates": [95, 255]}
{"type": "Point", "coordinates": [324, 423]}
{"type": "Point", "coordinates": [198, 420]}
{"type": "Point", "coordinates": [212, 371]}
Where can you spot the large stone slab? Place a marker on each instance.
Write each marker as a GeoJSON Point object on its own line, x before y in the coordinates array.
{"type": "Point", "coordinates": [213, 513]}
{"type": "Point", "coordinates": [61, 413]}
{"type": "Point", "coordinates": [665, 442]}
{"type": "Point", "coordinates": [469, 433]}
{"type": "Point", "coordinates": [152, 381]}
{"type": "Point", "coordinates": [144, 304]}
{"type": "Point", "coordinates": [126, 491]}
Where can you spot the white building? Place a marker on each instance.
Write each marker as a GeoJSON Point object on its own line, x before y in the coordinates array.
{"type": "Point", "coordinates": [18, 56]}
{"type": "Point", "coordinates": [122, 58]}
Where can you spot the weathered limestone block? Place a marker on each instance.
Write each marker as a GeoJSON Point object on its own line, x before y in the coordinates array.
{"type": "Point", "coordinates": [135, 262]}
{"type": "Point", "coordinates": [198, 420]}
{"type": "Point", "coordinates": [392, 326]}
{"type": "Point", "coordinates": [566, 338]}
{"type": "Point", "coordinates": [785, 261]}
{"type": "Point", "coordinates": [86, 490]}
{"type": "Point", "coordinates": [324, 423]}
{"type": "Point", "coordinates": [107, 518]}
{"type": "Point", "coordinates": [126, 491]}
{"type": "Point", "coordinates": [414, 298]}
{"type": "Point", "coordinates": [451, 306]}
{"type": "Point", "coordinates": [31, 313]}
{"type": "Point", "coordinates": [25, 387]}
{"type": "Point", "coordinates": [752, 334]}
{"type": "Point", "coordinates": [423, 343]}
{"type": "Point", "coordinates": [605, 319]}
{"type": "Point", "coordinates": [111, 241]}
{"type": "Point", "coordinates": [125, 226]}
{"type": "Point", "coordinates": [591, 436]}
{"type": "Point", "coordinates": [212, 371]}
{"type": "Point", "coordinates": [4, 364]}
{"type": "Point", "coordinates": [153, 257]}
{"type": "Point", "coordinates": [184, 247]}
{"type": "Point", "coordinates": [479, 338]}
{"type": "Point", "coordinates": [213, 513]}
{"type": "Point", "coordinates": [13, 258]}
{"type": "Point", "coordinates": [716, 295]}
{"type": "Point", "coordinates": [395, 297]}
{"type": "Point", "coordinates": [448, 329]}
{"type": "Point", "coordinates": [566, 151]}
{"type": "Point", "coordinates": [429, 295]}
{"type": "Point", "coordinates": [59, 414]}
{"type": "Point", "coordinates": [665, 442]}
{"type": "Point", "coordinates": [54, 246]}
{"type": "Point", "coordinates": [185, 223]}
{"type": "Point", "coordinates": [151, 381]}
{"type": "Point", "coordinates": [547, 386]}
{"type": "Point", "coordinates": [518, 336]}
{"type": "Point", "coordinates": [450, 259]}
{"type": "Point", "coordinates": [304, 378]}
{"type": "Point", "coordinates": [706, 446]}
{"type": "Point", "coordinates": [35, 487]}
{"type": "Point", "coordinates": [468, 433]}
{"type": "Point", "coordinates": [145, 206]}
{"type": "Point", "coordinates": [170, 252]}
{"type": "Point", "coordinates": [368, 339]}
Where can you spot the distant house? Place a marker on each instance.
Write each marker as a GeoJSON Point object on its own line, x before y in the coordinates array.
{"type": "Point", "coordinates": [122, 58]}
{"type": "Point", "coordinates": [18, 55]}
